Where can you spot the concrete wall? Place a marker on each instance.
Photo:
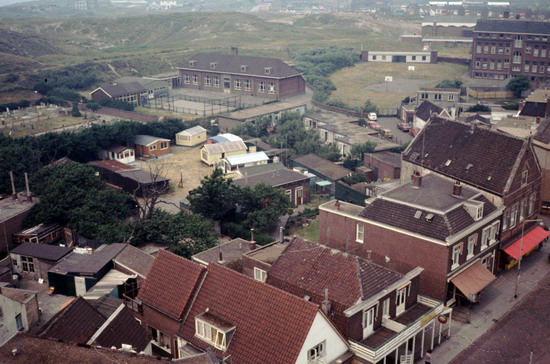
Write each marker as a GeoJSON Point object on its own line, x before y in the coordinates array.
{"type": "Point", "coordinates": [10, 309]}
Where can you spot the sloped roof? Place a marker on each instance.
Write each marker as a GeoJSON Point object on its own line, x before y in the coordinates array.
{"type": "Point", "coordinates": [228, 63]}
{"type": "Point", "coordinates": [478, 156]}
{"type": "Point", "coordinates": [88, 263]}
{"type": "Point", "coordinates": [270, 323]}
{"type": "Point", "coordinates": [425, 110]}
{"type": "Point", "coordinates": [121, 89]}
{"type": "Point", "coordinates": [42, 251]}
{"type": "Point", "coordinates": [226, 147]}
{"type": "Point", "coordinates": [322, 166]}
{"type": "Point", "coordinates": [513, 26]}
{"type": "Point", "coordinates": [313, 267]}
{"type": "Point", "coordinates": [135, 259]}
{"type": "Point", "coordinates": [148, 139]}
{"type": "Point", "coordinates": [543, 131]}
{"type": "Point", "coordinates": [171, 283]}
{"type": "Point", "coordinates": [247, 158]}
{"type": "Point", "coordinates": [393, 159]}
{"type": "Point", "coordinates": [123, 328]}
{"type": "Point", "coordinates": [193, 131]}
{"type": "Point", "coordinates": [75, 324]}
{"type": "Point", "coordinates": [118, 148]}
{"type": "Point", "coordinates": [276, 178]}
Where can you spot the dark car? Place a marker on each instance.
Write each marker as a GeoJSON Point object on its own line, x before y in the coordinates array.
{"type": "Point", "coordinates": [405, 127]}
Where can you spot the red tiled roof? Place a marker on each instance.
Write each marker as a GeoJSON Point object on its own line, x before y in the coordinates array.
{"type": "Point", "coordinates": [270, 324]}
{"type": "Point", "coordinates": [170, 284]}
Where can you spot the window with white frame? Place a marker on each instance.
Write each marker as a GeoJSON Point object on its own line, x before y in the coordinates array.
{"type": "Point", "coordinates": [457, 251]}
{"type": "Point", "coordinates": [271, 88]}
{"type": "Point", "coordinates": [524, 177]}
{"type": "Point", "coordinates": [532, 200]}
{"type": "Point", "coordinates": [160, 339]}
{"type": "Point", "coordinates": [195, 79]}
{"type": "Point", "coordinates": [505, 219]}
{"type": "Point", "coordinates": [260, 274]}
{"type": "Point", "coordinates": [485, 237]}
{"type": "Point", "coordinates": [216, 81]}
{"type": "Point", "coordinates": [186, 78]}
{"type": "Point", "coordinates": [494, 232]}
{"type": "Point", "coordinates": [237, 84]}
{"type": "Point", "coordinates": [317, 353]}
{"type": "Point", "coordinates": [359, 232]}
{"type": "Point", "coordinates": [210, 334]}
{"type": "Point", "coordinates": [513, 215]}
{"type": "Point", "coordinates": [522, 209]}
{"type": "Point", "coordinates": [28, 264]}
{"type": "Point", "coordinates": [207, 81]}
{"type": "Point", "coordinates": [153, 147]}
{"type": "Point", "coordinates": [451, 97]}
{"type": "Point", "coordinates": [472, 241]}
{"type": "Point", "coordinates": [247, 85]}
{"type": "Point", "coordinates": [261, 86]}
{"type": "Point", "coordinates": [163, 145]}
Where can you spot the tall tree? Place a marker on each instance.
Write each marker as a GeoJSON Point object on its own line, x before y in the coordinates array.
{"type": "Point", "coordinates": [518, 84]}
{"type": "Point", "coordinates": [213, 197]}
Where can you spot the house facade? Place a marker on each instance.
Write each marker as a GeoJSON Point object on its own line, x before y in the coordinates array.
{"type": "Point", "coordinates": [231, 164]}
{"type": "Point", "coordinates": [242, 75]}
{"type": "Point", "coordinates": [41, 234]}
{"type": "Point", "coordinates": [213, 154]}
{"type": "Point", "coordinates": [119, 153]}
{"type": "Point", "coordinates": [191, 137]}
{"type": "Point", "coordinates": [447, 98]}
{"type": "Point", "coordinates": [428, 222]}
{"type": "Point", "coordinates": [503, 167]}
{"type": "Point", "coordinates": [33, 260]}
{"type": "Point", "coordinates": [151, 146]}
{"type": "Point", "coordinates": [399, 57]}
{"type": "Point", "coordinates": [19, 311]}
{"type": "Point", "coordinates": [384, 165]}
{"type": "Point", "coordinates": [506, 48]}
{"type": "Point", "coordinates": [374, 310]}
{"type": "Point", "coordinates": [131, 92]}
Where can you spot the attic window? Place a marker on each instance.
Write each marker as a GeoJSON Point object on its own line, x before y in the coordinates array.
{"type": "Point", "coordinates": [213, 65]}
{"type": "Point", "coordinates": [448, 162]}
{"type": "Point", "coordinates": [429, 217]}
{"type": "Point", "coordinates": [214, 330]}
{"type": "Point", "coordinates": [414, 156]}
{"type": "Point", "coordinates": [267, 70]}
{"type": "Point", "coordinates": [192, 63]}
{"type": "Point", "coordinates": [243, 68]}
{"type": "Point", "coordinates": [417, 214]}
{"type": "Point", "coordinates": [489, 178]}
{"type": "Point", "coordinates": [475, 209]}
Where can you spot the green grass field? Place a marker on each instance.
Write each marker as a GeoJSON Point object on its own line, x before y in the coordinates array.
{"type": "Point", "coordinates": [353, 83]}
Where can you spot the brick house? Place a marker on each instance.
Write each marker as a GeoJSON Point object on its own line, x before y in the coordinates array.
{"type": "Point", "coordinates": [20, 312]}
{"type": "Point", "coordinates": [503, 167]}
{"type": "Point", "coordinates": [447, 98]}
{"type": "Point", "coordinates": [149, 146]}
{"type": "Point", "coordinates": [295, 184]}
{"type": "Point", "coordinates": [377, 310]}
{"type": "Point", "coordinates": [427, 110]}
{"type": "Point", "coordinates": [450, 230]}
{"type": "Point", "coordinates": [507, 48]}
{"type": "Point", "coordinates": [188, 308]}
{"type": "Point", "coordinates": [34, 260]}
{"type": "Point", "coordinates": [384, 165]}
{"type": "Point", "coordinates": [242, 75]}
{"type": "Point", "coordinates": [131, 92]}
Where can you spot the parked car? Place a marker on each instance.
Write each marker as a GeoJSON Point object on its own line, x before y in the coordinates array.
{"type": "Point", "coordinates": [375, 126]}
{"type": "Point", "coordinates": [405, 127]}
{"type": "Point", "coordinates": [372, 116]}
{"type": "Point", "coordinates": [414, 131]}
{"type": "Point", "coordinates": [386, 133]}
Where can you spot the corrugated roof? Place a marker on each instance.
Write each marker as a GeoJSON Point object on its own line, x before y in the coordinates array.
{"type": "Point", "coordinates": [247, 158]}
{"type": "Point", "coordinates": [148, 139]}
{"type": "Point", "coordinates": [193, 131]}
{"type": "Point", "coordinates": [42, 251]}
{"type": "Point", "coordinates": [171, 283]}
{"type": "Point", "coordinates": [228, 63]}
{"type": "Point", "coordinates": [226, 147]}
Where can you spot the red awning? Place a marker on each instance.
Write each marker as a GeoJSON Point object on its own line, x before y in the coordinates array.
{"type": "Point", "coordinates": [530, 240]}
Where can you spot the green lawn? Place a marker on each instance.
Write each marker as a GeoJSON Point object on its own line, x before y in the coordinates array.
{"type": "Point", "coordinates": [309, 232]}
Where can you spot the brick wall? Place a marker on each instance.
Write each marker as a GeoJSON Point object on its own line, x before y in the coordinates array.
{"type": "Point", "coordinates": [161, 322]}
{"type": "Point", "coordinates": [381, 170]}
{"type": "Point", "coordinates": [143, 150]}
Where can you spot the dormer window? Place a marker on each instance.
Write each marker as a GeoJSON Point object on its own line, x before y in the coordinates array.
{"type": "Point", "coordinates": [243, 68]}
{"type": "Point", "coordinates": [214, 330]}
{"type": "Point", "coordinates": [192, 63]}
{"type": "Point", "coordinates": [213, 65]}
{"type": "Point", "coordinates": [475, 209]}
{"type": "Point", "coordinates": [267, 70]}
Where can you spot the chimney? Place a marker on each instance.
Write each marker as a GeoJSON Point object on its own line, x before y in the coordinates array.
{"type": "Point", "coordinates": [326, 305]}
{"type": "Point", "coordinates": [29, 194]}
{"type": "Point", "coordinates": [416, 179]}
{"type": "Point", "coordinates": [281, 233]}
{"type": "Point", "coordinates": [235, 51]}
{"type": "Point", "coordinates": [506, 14]}
{"type": "Point", "coordinates": [13, 192]}
{"type": "Point", "coordinates": [220, 260]}
{"type": "Point", "coordinates": [337, 205]}
{"type": "Point", "coordinates": [457, 189]}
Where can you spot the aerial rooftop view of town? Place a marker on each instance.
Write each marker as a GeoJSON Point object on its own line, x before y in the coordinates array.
{"type": "Point", "coordinates": [274, 182]}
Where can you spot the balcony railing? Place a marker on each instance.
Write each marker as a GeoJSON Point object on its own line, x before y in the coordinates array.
{"type": "Point", "coordinates": [375, 354]}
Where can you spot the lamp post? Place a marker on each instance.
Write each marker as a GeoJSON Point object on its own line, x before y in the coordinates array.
{"type": "Point", "coordinates": [521, 254]}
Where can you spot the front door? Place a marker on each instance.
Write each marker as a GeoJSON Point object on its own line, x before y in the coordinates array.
{"type": "Point", "coordinates": [299, 196]}
{"type": "Point", "coordinates": [368, 322]}
{"type": "Point", "coordinates": [400, 301]}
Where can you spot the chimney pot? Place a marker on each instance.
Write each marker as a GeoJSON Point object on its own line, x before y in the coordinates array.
{"type": "Point", "coordinates": [416, 179]}
{"type": "Point", "coordinates": [337, 205]}
{"type": "Point", "coordinates": [326, 305]}
{"type": "Point", "coordinates": [457, 189]}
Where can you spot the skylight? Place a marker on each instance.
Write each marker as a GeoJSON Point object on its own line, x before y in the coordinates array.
{"type": "Point", "coordinates": [418, 214]}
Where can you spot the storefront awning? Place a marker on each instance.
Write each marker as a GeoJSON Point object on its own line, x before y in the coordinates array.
{"type": "Point", "coordinates": [530, 240]}
{"type": "Point", "coordinates": [473, 280]}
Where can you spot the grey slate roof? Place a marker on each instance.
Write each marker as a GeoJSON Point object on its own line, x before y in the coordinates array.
{"type": "Point", "coordinates": [478, 156]}
{"type": "Point", "coordinates": [228, 63]}
{"type": "Point", "coordinates": [322, 166]}
{"type": "Point", "coordinates": [135, 259]}
{"type": "Point", "coordinates": [121, 89]}
{"type": "Point", "coordinates": [425, 110]}
{"type": "Point", "coordinates": [42, 251]}
{"type": "Point", "coordinates": [275, 178]}
{"type": "Point", "coordinates": [147, 139]}
{"type": "Point", "coordinates": [88, 263]}
{"type": "Point", "coordinates": [513, 26]}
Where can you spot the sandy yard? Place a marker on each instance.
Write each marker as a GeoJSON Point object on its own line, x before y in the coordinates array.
{"type": "Point", "coordinates": [184, 162]}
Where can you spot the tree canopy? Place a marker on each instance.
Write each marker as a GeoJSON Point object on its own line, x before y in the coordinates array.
{"type": "Point", "coordinates": [518, 84]}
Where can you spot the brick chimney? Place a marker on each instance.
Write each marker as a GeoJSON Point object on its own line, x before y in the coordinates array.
{"type": "Point", "coordinates": [416, 179]}
{"type": "Point", "coordinates": [457, 189]}
{"type": "Point", "coordinates": [326, 306]}
{"type": "Point", "coordinates": [337, 205]}
{"type": "Point", "coordinates": [235, 51]}
{"type": "Point", "coordinates": [29, 194]}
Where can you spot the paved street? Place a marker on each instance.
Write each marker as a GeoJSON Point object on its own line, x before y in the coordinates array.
{"type": "Point", "coordinates": [509, 322]}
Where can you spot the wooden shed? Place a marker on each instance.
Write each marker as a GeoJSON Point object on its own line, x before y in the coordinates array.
{"type": "Point", "coordinates": [191, 137]}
